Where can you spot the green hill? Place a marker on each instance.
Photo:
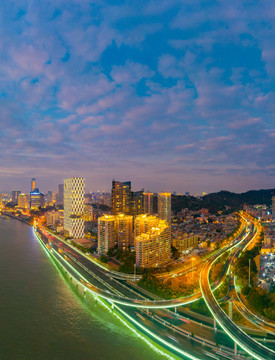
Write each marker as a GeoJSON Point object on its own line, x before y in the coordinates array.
{"type": "Point", "coordinates": [222, 200]}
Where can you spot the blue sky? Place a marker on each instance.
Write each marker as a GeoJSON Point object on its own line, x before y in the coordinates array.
{"type": "Point", "coordinates": [173, 95]}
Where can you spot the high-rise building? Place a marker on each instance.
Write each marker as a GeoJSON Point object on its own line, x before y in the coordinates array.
{"type": "Point", "coordinates": [1, 200]}
{"type": "Point", "coordinates": [124, 229]}
{"type": "Point", "coordinates": [137, 202]}
{"type": "Point", "coordinates": [107, 236]}
{"type": "Point", "coordinates": [36, 199]}
{"type": "Point", "coordinates": [148, 203]}
{"type": "Point", "coordinates": [60, 195]}
{"type": "Point", "coordinates": [144, 223]}
{"type": "Point", "coordinates": [23, 201]}
{"type": "Point", "coordinates": [121, 197]}
{"type": "Point", "coordinates": [273, 207]}
{"type": "Point", "coordinates": [33, 184]}
{"type": "Point", "coordinates": [14, 195]}
{"type": "Point", "coordinates": [88, 213]}
{"type": "Point", "coordinates": [74, 189]}
{"type": "Point", "coordinates": [164, 206]}
{"type": "Point", "coordinates": [154, 247]}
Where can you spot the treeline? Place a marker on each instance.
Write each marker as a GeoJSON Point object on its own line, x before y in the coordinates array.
{"type": "Point", "coordinates": [224, 201]}
{"type": "Point", "coordinates": [258, 298]}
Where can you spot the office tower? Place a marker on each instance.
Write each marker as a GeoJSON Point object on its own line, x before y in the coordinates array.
{"type": "Point", "coordinates": [1, 200]}
{"type": "Point", "coordinates": [273, 207]}
{"type": "Point", "coordinates": [33, 184]}
{"type": "Point", "coordinates": [154, 247]}
{"type": "Point", "coordinates": [74, 207]}
{"type": "Point", "coordinates": [36, 199]}
{"type": "Point", "coordinates": [137, 202]}
{"type": "Point", "coordinates": [121, 197]}
{"type": "Point", "coordinates": [164, 206]}
{"type": "Point", "coordinates": [107, 237]}
{"type": "Point", "coordinates": [124, 230]}
{"type": "Point", "coordinates": [60, 196]}
{"type": "Point", "coordinates": [148, 203]}
{"type": "Point", "coordinates": [14, 195]}
{"type": "Point", "coordinates": [23, 201]}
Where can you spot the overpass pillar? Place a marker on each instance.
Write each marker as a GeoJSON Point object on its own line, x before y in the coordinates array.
{"type": "Point", "coordinates": [176, 310]}
{"type": "Point", "coordinates": [235, 349]}
{"type": "Point", "coordinates": [215, 324]}
{"type": "Point", "coordinates": [113, 306]}
{"type": "Point", "coordinates": [230, 310]}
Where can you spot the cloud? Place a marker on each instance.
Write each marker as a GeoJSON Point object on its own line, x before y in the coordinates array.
{"type": "Point", "coordinates": [138, 89]}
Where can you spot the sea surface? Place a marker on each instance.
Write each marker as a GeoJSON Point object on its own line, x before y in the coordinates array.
{"type": "Point", "coordinates": [43, 317]}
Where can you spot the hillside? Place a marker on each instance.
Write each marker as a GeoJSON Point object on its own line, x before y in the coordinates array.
{"type": "Point", "coordinates": [222, 200]}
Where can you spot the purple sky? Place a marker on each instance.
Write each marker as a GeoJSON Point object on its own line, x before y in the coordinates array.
{"type": "Point", "coordinates": [172, 95]}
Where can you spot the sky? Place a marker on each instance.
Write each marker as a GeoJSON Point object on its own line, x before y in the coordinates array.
{"type": "Point", "coordinates": [173, 95]}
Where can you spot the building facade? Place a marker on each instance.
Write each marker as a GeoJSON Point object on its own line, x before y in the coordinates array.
{"type": "Point", "coordinates": [153, 248]}
{"type": "Point", "coordinates": [23, 201]}
{"type": "Point", "coordinates": [74, 189]}
{"type": "Point", "coordinates": [107, 236]}
{"type": "Point", "coordinates": [124, 230]}
{"type": "Point", "coordinates": [164, 206]}
{"type": "Point", "coordinates": [148, 203]}
{"type": "Point", "coordinates": [186, 241]}
{"type": "Point", "coordinates": [121, 197]}
{"type": "Point", "coordinates": [14, 196]}
{"type": "Point", "coordinates": [137, 202]}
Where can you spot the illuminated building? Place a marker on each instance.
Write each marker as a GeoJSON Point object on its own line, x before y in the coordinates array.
{"type": "Point", "coordinates": [107, 237]}
{"type": "Point", "coordinates": [33, 184]}
{"type": "Point", "coordinates": [88, 213]}
{"type": "Point", "coordinates": [121, 197]}
{"type": "Point", "coordinates": [14, 195]}
{"type": "Point", "coordinates": [23, 201]}
{"type": "Point", "coordinates": [115, 230]}
{"type": "Point", "coordinates": [124, 229]}
{"type": "Point", "coordinates": [137, 200]}
{"type": "Point", "coordinates": [154, 247]}
{"type": "Point", "coordinates": [74, 207]}
{"type": "Point", "coordinates": [1, 200]}
{"type": "Point", "coordinates": [144, 223]}
{"type": "Point", "coordinates": [148, 203]}
{"type": "Point", "coordinates": [36, 199]}
{"type": "Point", "coordinates": [164, 206]}
{"type": "Point", "coordinates": [184, 242]}
{"type": "Point", "coordinates": [273, 207]}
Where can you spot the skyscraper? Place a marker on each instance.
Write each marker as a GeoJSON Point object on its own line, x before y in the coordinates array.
{"type": "Point", "coordinates": [33, 184]}
{"type": "Point", "coordinates": [74, 206]}
{"type": "Point", "coordinates": [153, 248]}
{"type": "Point", "coordinates": [137, 202]}
{"type": "Point", "coordinates": [273, 207]}
{"type": "Point", "coordinates": [23, 201]}
{"type": "Point", "coordinates": [148, 203]}
{"type": "Point", "coordinates": [164, 206]}
{"type": "Point", "coordinates": [60, 196]}
{"type": "Point", "coordinates": [36, 199]}
{"type": "Point", "coordinates": [121, 197]}
{"type": "Point", "coordinates": [14, 195]}
{"type": "Point", "coordinates": [124, 229]}
{"type": "Point", "coordinates": [107, 237]}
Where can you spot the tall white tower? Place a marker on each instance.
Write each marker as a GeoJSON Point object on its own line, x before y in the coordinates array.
{"type": "Point", "coordinates": [164, 206]}
{"type": "Point", "coordinates": [74, 189]}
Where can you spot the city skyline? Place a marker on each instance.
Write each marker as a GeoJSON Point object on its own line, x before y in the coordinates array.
{"type": "Point", "coordinates": [177, 97]}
